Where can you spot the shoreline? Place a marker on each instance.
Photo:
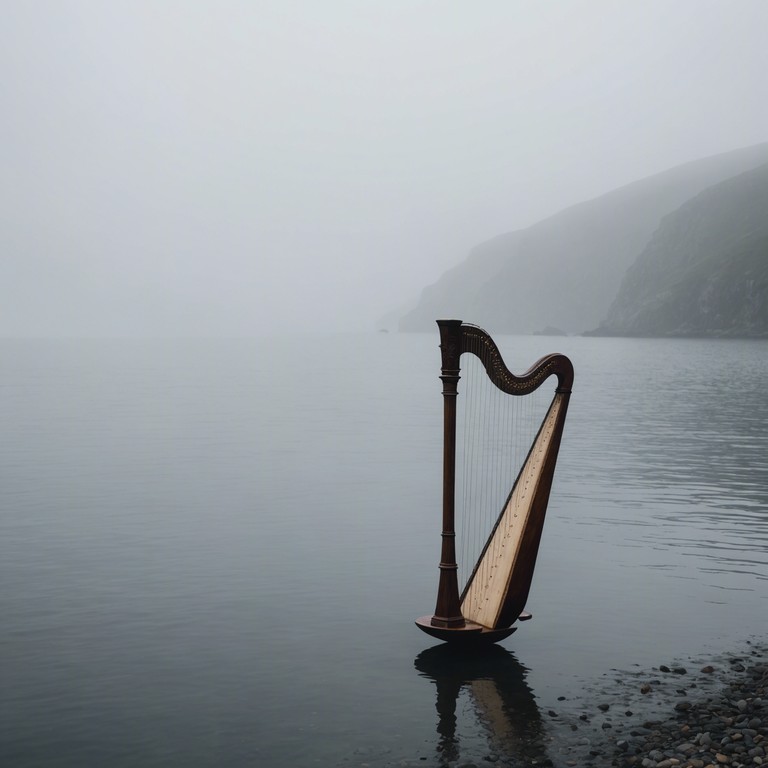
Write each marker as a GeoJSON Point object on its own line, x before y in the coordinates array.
{"type": "Point", "coordinates": [704, 712]}
{"type": "Point", "coordinates": [698, 714]}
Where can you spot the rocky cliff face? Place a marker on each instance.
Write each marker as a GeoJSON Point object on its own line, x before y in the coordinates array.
{"type": "Point", "coordinates": [565, 271]}
{"type": "Point", "coordinates": [705, 270]}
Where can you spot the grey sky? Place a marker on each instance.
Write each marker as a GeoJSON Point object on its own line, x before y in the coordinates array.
{"type": "Point", "coordinates": [181, 167]}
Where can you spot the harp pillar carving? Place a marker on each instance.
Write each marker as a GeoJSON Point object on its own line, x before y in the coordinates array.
{"type": "Point", "coordinates": [448, 607]}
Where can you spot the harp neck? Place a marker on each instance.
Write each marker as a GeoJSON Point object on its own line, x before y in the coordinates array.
{"type": "Point", "coordinates": [457, 338]}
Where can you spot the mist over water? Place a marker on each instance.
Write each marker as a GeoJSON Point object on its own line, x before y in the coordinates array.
{"type": "Point", "coordinates": [216, 532]}
{"type": "Point", "coordinates": [234, 168]}
{"type": "Point", "coordinates": [213, 552]}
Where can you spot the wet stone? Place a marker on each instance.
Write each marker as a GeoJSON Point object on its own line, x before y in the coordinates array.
{"type": "Point", "coordinates": [718, 724]}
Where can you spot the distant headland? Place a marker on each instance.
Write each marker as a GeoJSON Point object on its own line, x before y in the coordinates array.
{"type": "Point", "coordinates": [680, 253]}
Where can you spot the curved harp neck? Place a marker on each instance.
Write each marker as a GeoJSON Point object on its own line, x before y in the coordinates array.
{"type": "Point", "coordinates": [456, 338]}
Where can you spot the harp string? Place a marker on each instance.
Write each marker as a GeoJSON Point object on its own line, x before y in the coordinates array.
{"type": "Point", "coordinates": [495, 432]}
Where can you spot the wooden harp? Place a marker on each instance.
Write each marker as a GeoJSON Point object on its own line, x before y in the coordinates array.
{"type": "Point", "coordinates": [497, 587]}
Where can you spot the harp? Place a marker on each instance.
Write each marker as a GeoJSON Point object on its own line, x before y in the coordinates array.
{"type": "Point", "coordinates": [497, 587]}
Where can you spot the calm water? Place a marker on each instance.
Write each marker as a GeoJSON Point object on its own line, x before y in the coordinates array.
{"type": "Point", "coordinates": [212, 553]}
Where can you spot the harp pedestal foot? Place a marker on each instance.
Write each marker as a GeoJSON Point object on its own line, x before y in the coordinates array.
{"type": "Point", "coordinates": [470, 634]}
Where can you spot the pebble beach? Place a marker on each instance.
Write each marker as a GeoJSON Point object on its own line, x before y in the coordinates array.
{"type": "Point", "coordinates": [698, 714]}
{"type": "Point", "coordinates": [687, 713]}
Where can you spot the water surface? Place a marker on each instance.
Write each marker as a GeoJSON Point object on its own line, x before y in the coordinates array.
{"type": "Point", "coordinates": [212, 552]}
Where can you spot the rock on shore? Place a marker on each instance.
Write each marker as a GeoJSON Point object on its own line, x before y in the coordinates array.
{"type": "Point", "coordinates": [703, 716]}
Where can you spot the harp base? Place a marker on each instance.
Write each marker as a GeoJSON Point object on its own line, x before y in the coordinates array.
{"type": "Point", "coordinates": [469, 634]}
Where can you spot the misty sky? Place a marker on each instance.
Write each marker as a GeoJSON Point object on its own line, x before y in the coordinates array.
{"type": "Point", "coordinates": [182, 168]}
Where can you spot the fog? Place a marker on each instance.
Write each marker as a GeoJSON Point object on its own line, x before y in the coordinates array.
{"type": "Point", "coordinates": [233, 168]}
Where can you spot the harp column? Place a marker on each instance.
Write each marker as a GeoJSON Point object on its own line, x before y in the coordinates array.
{"type": "Point", "coordinates": [448, 608]}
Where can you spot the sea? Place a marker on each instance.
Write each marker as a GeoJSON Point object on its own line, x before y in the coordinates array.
{"type": "Point", "coordinates": [213, 551]}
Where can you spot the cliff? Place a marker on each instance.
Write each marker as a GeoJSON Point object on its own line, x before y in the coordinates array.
{"type": "Point", "coordinates": [565, 271]}
{"type": "Point", "coordinates": [705, 270]}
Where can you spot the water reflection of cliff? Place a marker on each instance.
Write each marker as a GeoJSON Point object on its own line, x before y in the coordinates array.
{"type": "Point", "coordinates": [503, 703]}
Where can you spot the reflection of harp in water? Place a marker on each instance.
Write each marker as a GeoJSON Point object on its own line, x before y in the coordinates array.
{"type": "Point", "coordinates": [497, 588]}
{"type": "Point", "coordinates": [501, 699]}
